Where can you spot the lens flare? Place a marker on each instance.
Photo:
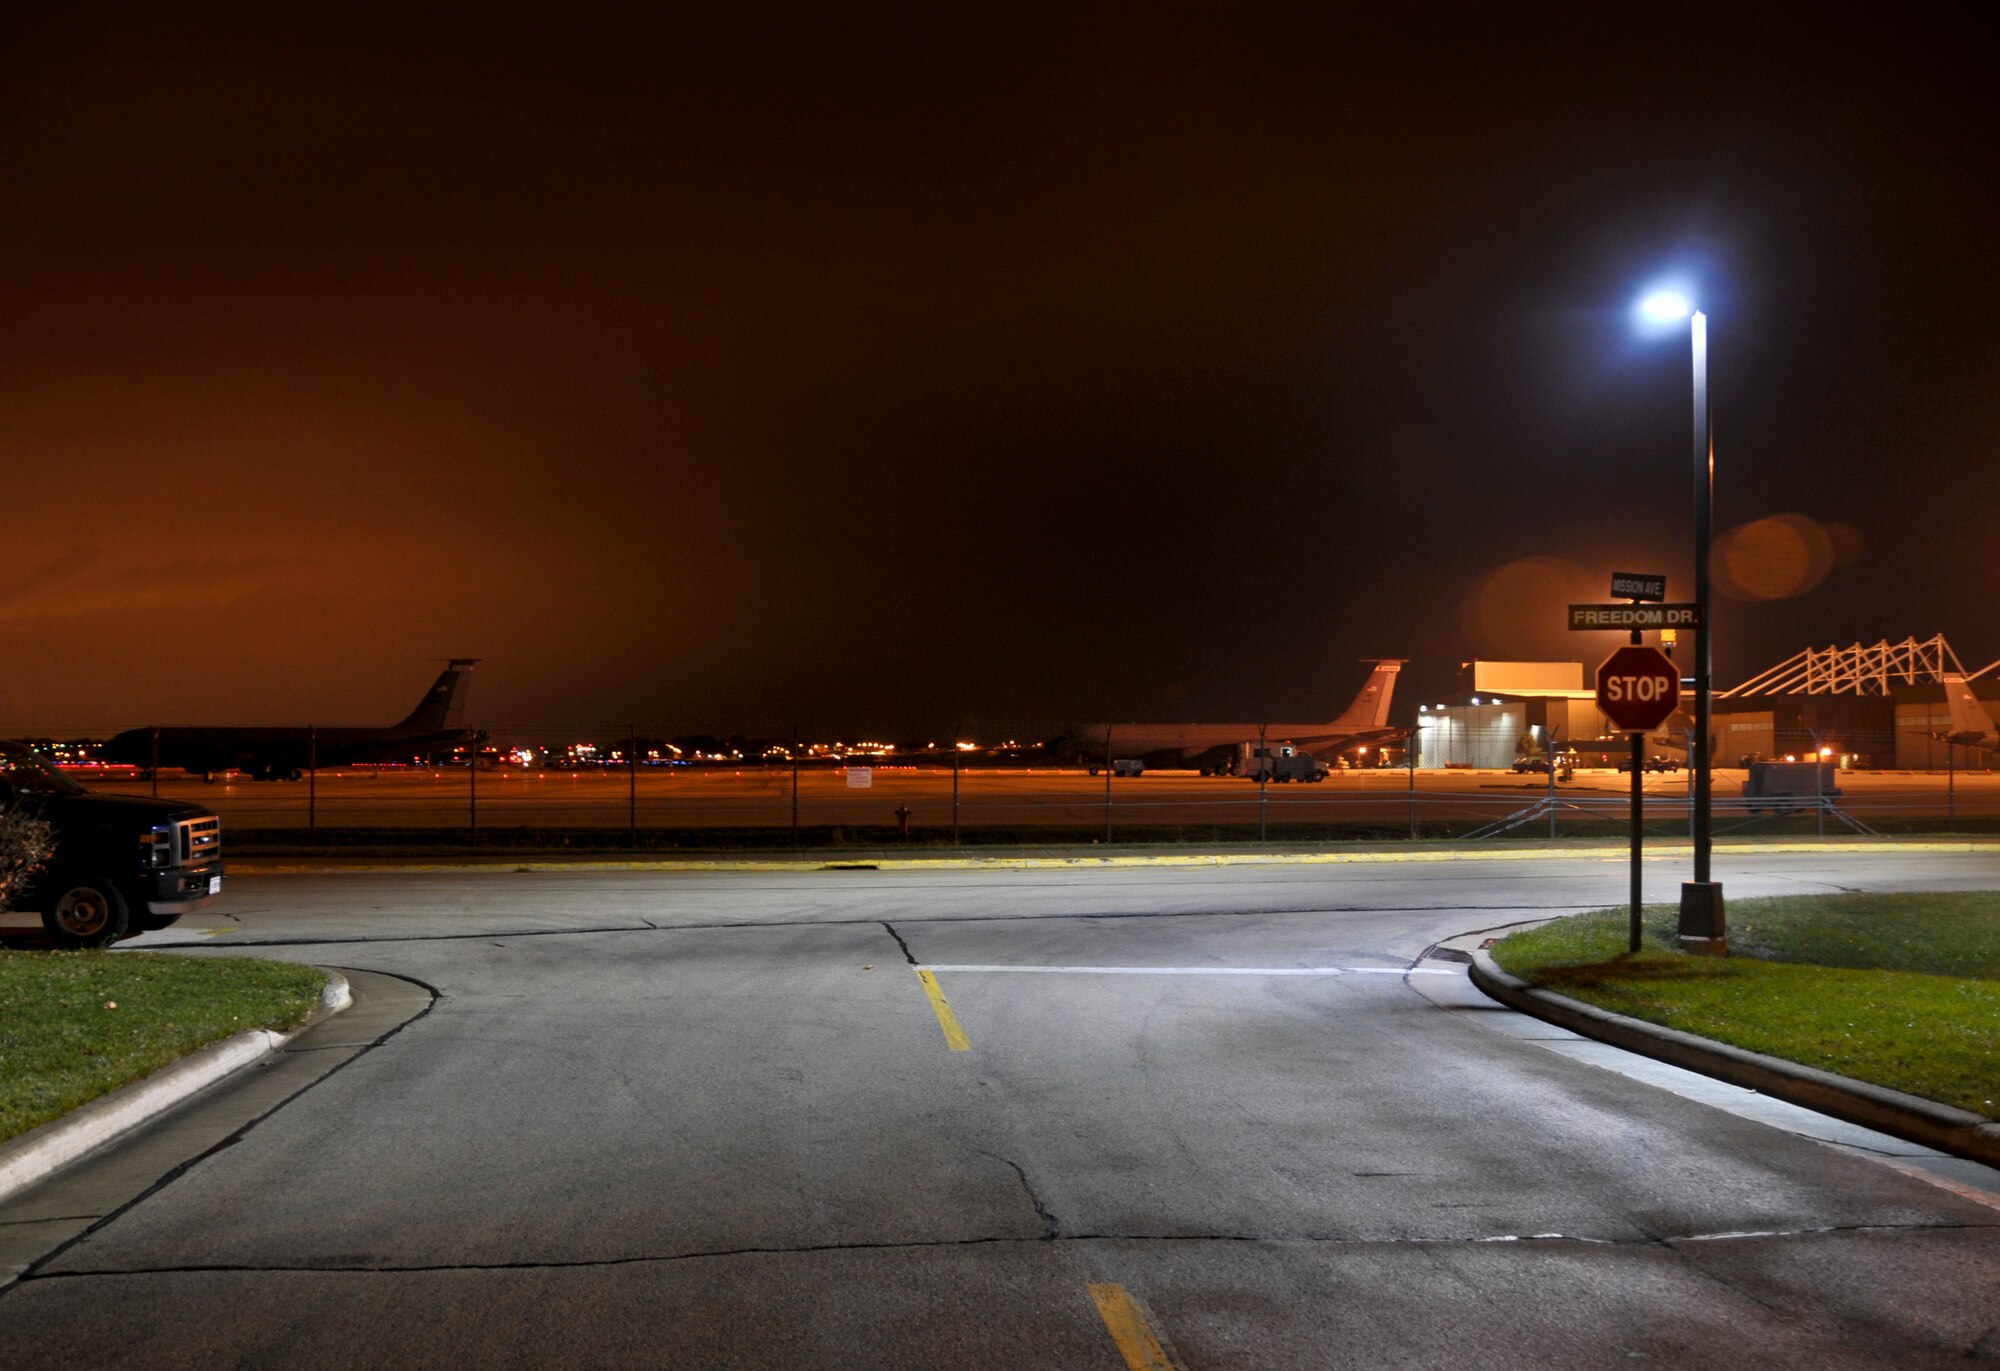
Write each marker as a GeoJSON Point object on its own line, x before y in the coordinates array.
{"type": "Point", "coordinates": [1777, 558]}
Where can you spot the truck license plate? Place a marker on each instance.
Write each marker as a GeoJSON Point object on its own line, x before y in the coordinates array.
{"type": "Point", "coordinates": [215, 885]}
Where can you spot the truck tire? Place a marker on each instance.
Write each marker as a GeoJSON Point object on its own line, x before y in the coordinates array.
{"type": "Point", "coordinates": [84, 911]}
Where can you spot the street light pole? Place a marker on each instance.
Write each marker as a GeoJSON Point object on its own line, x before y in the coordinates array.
{"type": "Point", "coordinates": [1702, 927]}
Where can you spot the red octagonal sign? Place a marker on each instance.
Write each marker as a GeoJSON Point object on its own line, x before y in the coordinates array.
{"type": "Point", "coordinates": [1637, 688]}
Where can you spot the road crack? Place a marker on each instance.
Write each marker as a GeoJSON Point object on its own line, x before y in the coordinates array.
{"type": "Point", "coordinates": [1544, 913]}
{"type": "Point", "coordinates": [918, 1245]}
{"type": "Point", "coordinates": [890, 928]}
{"type": "Point", "coordinates": [1051, 1226]}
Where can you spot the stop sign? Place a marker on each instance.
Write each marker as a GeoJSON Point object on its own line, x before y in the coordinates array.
{"type": "Point", "coordinates": [1637, 688]}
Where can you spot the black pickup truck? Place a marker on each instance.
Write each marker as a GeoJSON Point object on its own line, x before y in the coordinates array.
{"type": "Point", "coordinates": [122, 864]}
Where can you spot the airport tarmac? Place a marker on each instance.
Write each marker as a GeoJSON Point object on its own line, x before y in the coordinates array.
{"type": "Point", "coordinates": [756, 797]}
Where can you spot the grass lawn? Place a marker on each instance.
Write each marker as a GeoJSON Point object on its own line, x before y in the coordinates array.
{"type": "Point", "coordinates": [1899, 990]}
{"type": "Point", "coordinates": [74, 1025]}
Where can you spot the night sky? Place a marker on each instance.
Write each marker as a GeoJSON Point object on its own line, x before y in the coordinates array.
{"type": "Point", "coordinates": [906, 365]}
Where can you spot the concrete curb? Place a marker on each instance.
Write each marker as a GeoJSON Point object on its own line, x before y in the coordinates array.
{"type": "Point", "coordinates": [41, 1151]}
{"type": "Point", "coordinates": [1956, 1131]}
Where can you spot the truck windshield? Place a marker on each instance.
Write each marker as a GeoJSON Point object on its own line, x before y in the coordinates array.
{"type": "Point", "coordinates": [29, 774]}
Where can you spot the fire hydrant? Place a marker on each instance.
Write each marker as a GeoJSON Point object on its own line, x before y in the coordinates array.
{"type": "Point", "coordinates": [903, 821]}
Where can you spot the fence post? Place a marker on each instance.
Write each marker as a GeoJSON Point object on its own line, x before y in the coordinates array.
{"type": "Point", "coordinates": [1263, 775]}
{"type": "Point", "coordinates": [632, 784]}
{"type": "Point", "coordinates": [1819, 787]}
{"type": "Point", "coordinates": [1410, 757]}
{"type": "Point", "coordinates": [312, 784]}
{"type": "Point", "coordinates": [472, 796]}
{"type": "Point", "coordinates": [1551, 751]}
{"type": "Point", "coordinates": [954, 780]}
{"type": "Point", "coordinates": [795, 788]}
{"type": "Point", "coordinates": [1107, 785]}
{"type": "Point", "coordinates": [153, 771]}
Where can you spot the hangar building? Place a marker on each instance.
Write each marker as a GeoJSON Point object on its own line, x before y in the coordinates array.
{"type": "Point", "coordinates": [1879, 706]}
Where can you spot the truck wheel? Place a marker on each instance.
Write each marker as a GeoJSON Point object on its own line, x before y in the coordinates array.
{"type": "Point", "coordinates": [84, 911]}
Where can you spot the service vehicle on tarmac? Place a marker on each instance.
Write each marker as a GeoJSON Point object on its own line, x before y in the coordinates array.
{"type": "Point", "coordinates": [1278, 762]}
{"type": "Point", "coordinates": [122, 865]}
{"type": "Point", "coordinates": [1656, 762]}
{"type": "Point", "coordinates": [1782, 786]}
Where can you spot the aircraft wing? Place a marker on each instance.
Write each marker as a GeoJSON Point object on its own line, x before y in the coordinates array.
{"type": "Point", "coordinates": [1328, 746]}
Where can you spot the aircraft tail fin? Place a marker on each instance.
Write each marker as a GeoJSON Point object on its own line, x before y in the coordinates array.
{"type": "Point", "coordinates": [443, 706]}
{"type": "Point", "coordinates": [1370, 708]}
{"type": "Point", "coordinates": [1968, 716]}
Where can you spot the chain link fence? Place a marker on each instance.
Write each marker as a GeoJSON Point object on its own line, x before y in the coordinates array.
{"type": "Point", "coordinates": [546, 788]}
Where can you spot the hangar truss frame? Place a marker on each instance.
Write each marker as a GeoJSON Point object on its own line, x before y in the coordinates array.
{"type": "Point", "coordinates": [1855, 670]}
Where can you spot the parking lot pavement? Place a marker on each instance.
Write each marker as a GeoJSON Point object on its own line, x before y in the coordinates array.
{"type": "Point", "coordinates": [1208, 1115]}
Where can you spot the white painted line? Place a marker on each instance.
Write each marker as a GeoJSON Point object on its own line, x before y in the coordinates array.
{"type": "Point", "coordinates": [1213, 970]}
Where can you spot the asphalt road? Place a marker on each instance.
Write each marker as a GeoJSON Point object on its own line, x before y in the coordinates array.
{"type": "Point", "coordinates": [1229, 1115]}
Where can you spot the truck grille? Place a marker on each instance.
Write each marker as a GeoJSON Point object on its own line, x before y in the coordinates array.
{"type": "Point", "coordinates": [200, 840]}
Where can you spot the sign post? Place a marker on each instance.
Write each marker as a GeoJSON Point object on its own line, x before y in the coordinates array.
{"type": "Point", "coordinates": [1637, 688]}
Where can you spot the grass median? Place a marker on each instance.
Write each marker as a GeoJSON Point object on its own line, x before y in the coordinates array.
{"type": "Point", "coordinates": [74, 1025]}
{"type": "Point", "coordinates": [1902, 991]}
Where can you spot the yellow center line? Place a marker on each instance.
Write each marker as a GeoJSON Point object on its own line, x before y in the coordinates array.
{"type": "Point", "coordinates": [954, 1035]}
{"type": "Point", "coordinates": [1129, 1329]}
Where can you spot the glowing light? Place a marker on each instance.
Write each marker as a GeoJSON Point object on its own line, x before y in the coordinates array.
{"type": "Point", "coordinates": [1662, 307]}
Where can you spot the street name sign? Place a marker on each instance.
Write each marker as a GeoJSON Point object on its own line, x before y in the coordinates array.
{"type": "Point", "coordinates": [1631, 585]}
{"type": "Point", "coordinates": [1585, 617]}
{"type": "Point", "coordinates": [1637, 688]}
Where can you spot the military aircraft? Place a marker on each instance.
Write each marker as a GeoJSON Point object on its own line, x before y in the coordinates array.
{"type": "Point", "coordinates": [1214, 749]}
{"type": "Point", "coordinates": [1971, 725]}
{"type": "Point", "coordinates": [283, 754]}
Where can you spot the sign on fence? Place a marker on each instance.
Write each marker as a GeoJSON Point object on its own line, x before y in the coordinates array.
{"type": "Point", "coordinates": [860, 777]}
